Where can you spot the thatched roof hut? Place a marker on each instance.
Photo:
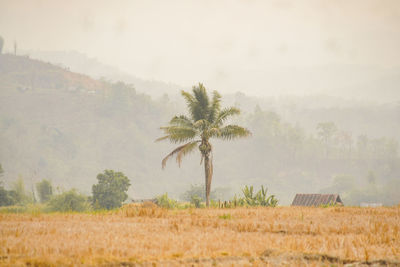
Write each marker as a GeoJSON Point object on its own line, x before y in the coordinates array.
{"type": "Point", "coordinates": [316, 200]}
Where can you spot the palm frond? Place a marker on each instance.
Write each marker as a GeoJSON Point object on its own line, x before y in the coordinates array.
{"type": "Point", "coordinates": [181, 121]}
{"type": "Point", "coordinates": [180, 152]}
{"type": "Point", "coordinates": [225, 114]}
{"type": "Point", "coordinates": [213, 132]}
{"type": "Point", "coordinates": [162, 138]}
{"type": "Point", "coordinates": [177, 134]}
{"type": "Point", "coordinates": [188, 148]}
{"type": "Point", "coordinates": [191, 103]}
{"type": "Point", "coordinates": [201, 108]}
{"type": "Point", "coordinates": [215, 107]}
{"type": "Point", "coordinates": [230, 132]}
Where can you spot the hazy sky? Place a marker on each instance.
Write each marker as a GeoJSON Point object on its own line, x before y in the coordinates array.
{"type": "Point", "coordinates": [226, 44]}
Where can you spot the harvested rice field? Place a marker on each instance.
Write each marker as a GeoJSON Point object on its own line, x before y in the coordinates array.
{"type": "Point", "coordinates": [151, 236]}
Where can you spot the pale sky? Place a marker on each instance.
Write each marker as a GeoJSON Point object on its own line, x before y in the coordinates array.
{"type": "Point", "coordinates": [225, 44]}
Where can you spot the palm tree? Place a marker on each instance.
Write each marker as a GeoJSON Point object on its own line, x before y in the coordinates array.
{"type": "Point", "coordinates": [206, 121]}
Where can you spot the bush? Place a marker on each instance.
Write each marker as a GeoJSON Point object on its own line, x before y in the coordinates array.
{"type": "Point", "coordinates": [110, 191]}
{"type": "Point", "coordinates": [199, 191]}
{"type": "Point", "coordinates": [7, 198]}
{"type": "Point", "coordinates": [68, 201]}
{"type": "Point", "coordinates": [13, 209]}
{"type": "Point", "coordinates": [33, 209]}
{"type": "Point", "coordinates": [164, 201]}
{"type": "Point", "coordinates": [196, 201]}
{"type": "Point", "coordinates": [195, 191]}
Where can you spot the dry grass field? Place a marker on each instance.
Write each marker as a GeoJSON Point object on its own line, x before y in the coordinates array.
{"type": "Point", "coordinates": [151, 236]}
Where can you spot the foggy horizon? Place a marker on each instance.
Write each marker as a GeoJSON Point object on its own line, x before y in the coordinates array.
{"type": "Point", "coordinates": [259, 48]}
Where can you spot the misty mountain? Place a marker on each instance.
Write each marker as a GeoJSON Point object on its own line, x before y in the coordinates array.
{"type": "Point", "coordinates": [358, 98]}
{"type": "Point", "coordinates": [351, 83]}
{"type": "Point", "coordinates": [68, 127]}
{"type": "Point", "coordinates": [81, 63]}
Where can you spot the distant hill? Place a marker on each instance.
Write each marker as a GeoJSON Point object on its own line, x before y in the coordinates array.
{"type": "Point", "coordinates": [79, 62]}
{"type": "Point", "coordinates": [68, 127]}
{"type": "Point", "coordinates": [30, 74]}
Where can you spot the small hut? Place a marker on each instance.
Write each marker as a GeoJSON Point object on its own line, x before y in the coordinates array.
{"type": "Point", "coordinates": [316, 200]}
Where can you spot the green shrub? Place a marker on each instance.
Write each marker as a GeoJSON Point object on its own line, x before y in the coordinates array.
{"type": "Point", "coordinates": [13, 209]}
{"type": "Point", "coordinates": [196, 201]}
{"type": "Point", "coordinates": [199, 191]}
{"type": "Point", "coordinates": [33, 209]}
{"type": "Point", "coordinates": [165, 202]}
{"type": "Point", "coordinates": [195, 191]}
{"type": "Point", "coordinates": [7, 198]}
{"type": "Point", "coordinates": [68, 201]}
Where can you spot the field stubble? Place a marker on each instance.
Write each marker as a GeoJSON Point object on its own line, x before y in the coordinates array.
{"type": "Point", "coordinates": [243, 236]}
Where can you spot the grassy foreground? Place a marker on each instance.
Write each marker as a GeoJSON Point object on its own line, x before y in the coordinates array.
{"type": "Point", "coordinates": [148, 235]}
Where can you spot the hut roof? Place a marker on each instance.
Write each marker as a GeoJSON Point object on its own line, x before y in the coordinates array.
{"type": "Point", "coordinates": [316, 199]}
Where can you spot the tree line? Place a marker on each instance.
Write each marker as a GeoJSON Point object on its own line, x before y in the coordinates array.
{"type": "Point", "coordinates": [109, 193]}
{"type": "Point", "coordinates": [284, 156]}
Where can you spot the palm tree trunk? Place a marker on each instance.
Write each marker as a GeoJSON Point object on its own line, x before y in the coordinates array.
{"type": "Point", "coordinates": [208, 174]}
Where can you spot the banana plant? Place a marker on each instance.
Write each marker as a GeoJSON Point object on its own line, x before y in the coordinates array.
{"type": "Point", "coordinates": [273, 202]}
{"type": "Point", "coordinates": [262, 196]}
{"type": "Point", "coordinates": [258, 199]}
{"type": "Point", "coordinates": [249, 198]}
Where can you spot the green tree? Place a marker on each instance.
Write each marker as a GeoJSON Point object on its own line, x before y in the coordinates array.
{"type": "Point", "coordinates": [110, 191]}
{"type": "Point", "coordinates": [68, 201]}
{"type": "Point", "coordinates": [19, 192]}
{"type": "Point", "coordinates": [326, 131]}
{"type": "Point", "coordinates": [295, 139]}
{"type": "Point", "coordinates": [45, 190]}
{"type": "Point", "coordinates": [362, 146]}
{"type": "Point", "coordinates": [205, 121]}
{"type": "Point", "coordinates": [197, 191]}
{"type": "Point", "coordinates": [7, 198]}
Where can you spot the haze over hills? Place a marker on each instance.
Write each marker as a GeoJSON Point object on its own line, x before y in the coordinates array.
{"type": "Point", "coordinates": [355, 92]}
{"type": "Point", "coordinates": [79, 62]}
{"type": "Point", "coordinates": [68, 127]}
{"type": "Point", "coordinates": [352, 82]}
{"type": "Point", "coordinates": [261, 48]}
